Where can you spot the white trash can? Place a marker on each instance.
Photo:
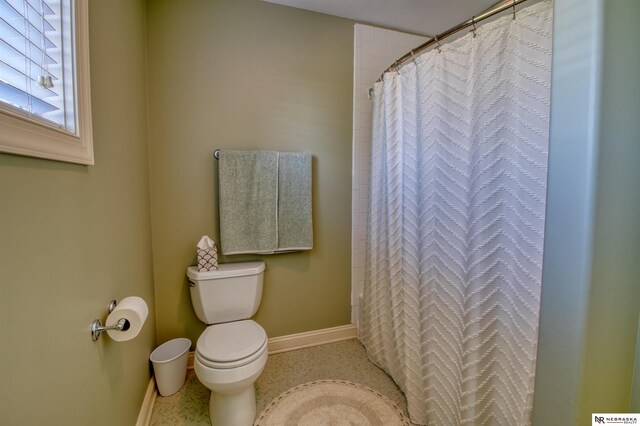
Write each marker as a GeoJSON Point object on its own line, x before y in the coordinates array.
{"type": "Point", "coordinates": [170, 365]}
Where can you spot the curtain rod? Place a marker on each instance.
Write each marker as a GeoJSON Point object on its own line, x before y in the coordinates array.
{"type": "Point", "coordinates": [501, 6]}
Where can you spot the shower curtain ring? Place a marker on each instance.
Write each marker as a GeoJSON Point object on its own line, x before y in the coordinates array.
{"type": "Point", "coordinates": [413, 55]}
{"type": "Point", "coordinates": [514, 9]}
{"type": "Point", "coordinates": [473, 22]}
{"type": "Point", "coordinates": [438, 46]}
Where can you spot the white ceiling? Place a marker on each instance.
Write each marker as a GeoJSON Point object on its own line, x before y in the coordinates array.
{"type": "Point", "coordinates": [425, 17]}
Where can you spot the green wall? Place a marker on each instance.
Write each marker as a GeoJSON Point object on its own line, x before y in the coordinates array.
{"type": "Point", "coordinates": [245, 74]}
{"type": "Point", "coordinates": [614, 297]}
{"type": "Point", "coordinates": [634, 405]}
{"type": "Point", "coordinates": [74, 237]}
{"type": "Point", "coordinates": [590, 292]}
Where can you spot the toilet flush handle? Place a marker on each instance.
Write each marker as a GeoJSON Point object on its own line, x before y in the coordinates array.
{"type": "Point", "coordinates": [191, 283]}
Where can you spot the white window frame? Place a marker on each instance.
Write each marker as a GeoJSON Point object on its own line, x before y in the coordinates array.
{"type": "Point", "coordinates": [34, 138]}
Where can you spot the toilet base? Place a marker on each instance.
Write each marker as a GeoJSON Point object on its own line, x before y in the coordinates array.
{"type": "Point", "coordinates": [236, 409]}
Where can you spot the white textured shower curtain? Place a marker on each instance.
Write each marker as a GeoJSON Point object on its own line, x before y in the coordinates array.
{"type": "Point", "coordinates": [456, 223]}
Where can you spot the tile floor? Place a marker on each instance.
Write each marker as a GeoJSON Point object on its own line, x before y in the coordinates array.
{"type": "Point", "coordinates": [342, 360]}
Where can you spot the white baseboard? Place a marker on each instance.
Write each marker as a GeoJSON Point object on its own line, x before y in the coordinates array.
{"type": "Point", "coordinates": [307, 339]}
{"type": "Point", "coordinates": [293, 342]}
{"type": "Point", "coordinates": [144, 417]}
{"type": "Point", "coordinates": [190, 361]}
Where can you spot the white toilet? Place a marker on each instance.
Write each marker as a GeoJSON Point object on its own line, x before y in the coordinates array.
{"type": "Point", "coordinates": [232, 352]}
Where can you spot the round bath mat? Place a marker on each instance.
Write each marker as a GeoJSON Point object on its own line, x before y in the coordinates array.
{"type": "Point", "coordinates": [331, 402]}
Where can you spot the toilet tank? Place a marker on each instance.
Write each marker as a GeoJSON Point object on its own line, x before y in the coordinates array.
{"type": "Point", "coordinates": [231, 293]}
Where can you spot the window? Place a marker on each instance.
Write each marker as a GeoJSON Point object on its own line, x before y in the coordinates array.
{"type": "Point", "coordinates": [45, 96]}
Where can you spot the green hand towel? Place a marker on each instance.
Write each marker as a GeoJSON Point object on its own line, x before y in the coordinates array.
{"type": "Point", "coordinates": [265, 202]}
{"type": "Point", "coordinates": [295, 230]}
{"type": "Point", "coordinates": [248, 191]}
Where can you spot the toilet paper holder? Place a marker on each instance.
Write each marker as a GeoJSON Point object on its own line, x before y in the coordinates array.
{"type": "Point", "coordinates": [97, 328]}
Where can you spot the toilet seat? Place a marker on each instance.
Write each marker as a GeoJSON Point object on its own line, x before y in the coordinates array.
{"type": "Point", "coordinates": [231, 344]}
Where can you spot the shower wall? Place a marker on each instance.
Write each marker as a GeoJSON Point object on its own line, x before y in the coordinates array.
{"type": "Point", "coordinates": [374, 50]}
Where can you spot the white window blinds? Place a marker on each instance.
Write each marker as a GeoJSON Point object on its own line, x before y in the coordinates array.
{"type": "Point", "coordinates": [37, 61]}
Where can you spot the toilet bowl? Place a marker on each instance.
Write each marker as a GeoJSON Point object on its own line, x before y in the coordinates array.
{"type": "Point", "coordinates": [229, 359]}
{"type": "Point", "coordinates": [231, 352]}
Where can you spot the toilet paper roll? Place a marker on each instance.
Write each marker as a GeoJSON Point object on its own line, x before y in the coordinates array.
{"type": "Point", "coordinates": [134, 309]}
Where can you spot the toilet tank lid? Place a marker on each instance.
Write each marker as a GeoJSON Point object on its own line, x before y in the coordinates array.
{"type": "Point", "coordinates": [226, 270]}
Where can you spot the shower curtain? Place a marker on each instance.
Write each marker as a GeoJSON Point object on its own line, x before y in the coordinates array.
{"type": "Point", "coordinates": [456, 221]}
